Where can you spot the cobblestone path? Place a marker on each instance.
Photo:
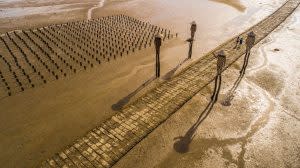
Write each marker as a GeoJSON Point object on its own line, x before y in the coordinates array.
{"type": "Point", "coordinates": [105, 145]}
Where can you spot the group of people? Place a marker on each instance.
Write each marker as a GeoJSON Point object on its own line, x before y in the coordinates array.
{"type": "Point", "coordinates": [238, 42]}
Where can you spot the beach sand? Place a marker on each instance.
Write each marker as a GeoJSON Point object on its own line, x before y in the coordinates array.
{"type": "Point", "coordinates": [39, 122]}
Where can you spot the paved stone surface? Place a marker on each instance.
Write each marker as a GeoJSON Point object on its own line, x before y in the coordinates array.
{"type": "Point", "coordinates": [105, 145]}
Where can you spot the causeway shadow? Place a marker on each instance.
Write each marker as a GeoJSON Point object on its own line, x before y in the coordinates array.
{"type": "Point", "coordinates": [230, 95]}
{"type": "Point", "coordinates": [169, 75]}
{"type": "Point", "coordinates": [121, 103]}
{"type": "Point", "coordinates": [182, 142]}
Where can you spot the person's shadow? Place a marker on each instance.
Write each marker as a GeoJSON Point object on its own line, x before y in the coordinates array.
{"type": "Point", "coordinates": [121, 103]}
{"type": "Point", "coordinates": [182, 142]}
{"type": "Point", "coordinates": [230, 95]}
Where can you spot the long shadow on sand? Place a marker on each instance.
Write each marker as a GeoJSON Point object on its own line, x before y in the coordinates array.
{"type": "Point", "coordinates": [230, 94]}
{"type": "Point", "coordinates": [169, 75]}
{"type": "Point", "coordinates": [121, 103]}
{"type": "Point", "coordinates": [182, 142]}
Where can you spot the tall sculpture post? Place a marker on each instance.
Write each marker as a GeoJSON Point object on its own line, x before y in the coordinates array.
{"type": "Point", "coordinates": [157, 42]}
{"type": "Point", "coordinates": [249, 44]}
{"type": "Point", "coordinates": [191, 40]}
{"type": "Point", "coordinates": [221, 61]}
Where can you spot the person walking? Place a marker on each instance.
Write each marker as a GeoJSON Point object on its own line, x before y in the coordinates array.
{"type": "Point", "coordinates": [221, 61]}
{"type": "Point", "coordinates": [241, 40]}
{"type": "Point", "coordinates": [237, 41]}
{"type": "Point", "coordinates": [157, 42]}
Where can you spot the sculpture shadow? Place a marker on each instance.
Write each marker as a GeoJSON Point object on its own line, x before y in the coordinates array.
{"type": "Point", "coordinates": [169, 75]}
{"type": "Point", "coordinates": [230, 95]}
{"type": "Point", "coordinates": [182, 142]}
{"type": "Point", "coordinates": [121, 103]}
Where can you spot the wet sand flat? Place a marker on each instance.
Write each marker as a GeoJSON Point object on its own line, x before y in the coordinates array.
{"type": "Point", "coordinates": [124, 130]}
{"type": "Point", "coordinates": [71, 107]}
{"type": "Point", "coordinates": [22, 14]}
